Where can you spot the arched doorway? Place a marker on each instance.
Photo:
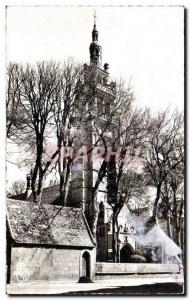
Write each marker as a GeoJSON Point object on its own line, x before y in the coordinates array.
{"type": "Point", "coordinates": [126, 252]}
{"type": "Point", "coordinates": [86, 264]}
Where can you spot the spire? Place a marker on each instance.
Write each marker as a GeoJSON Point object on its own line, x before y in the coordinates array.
{"type": "Point", "coordinates": [95, 18]}
{"type": "Point", "coordinates": [95, 49]}
{"type": "Point", "coordinates": [95, 31]}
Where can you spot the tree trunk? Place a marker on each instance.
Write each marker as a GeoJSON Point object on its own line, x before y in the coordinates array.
{"type": "Point", "coordinates": [178, 237]}
{"type": "Point", "coordinates": [34, 177]}
{"type": "Point", "coordinates": [114, 236]}
{"type": "Point", "coordinates": [117, 240]}
{"type": "Point", "coordinates": [176, 227]}
{"type": "Point", "coordinates": [181, 225]}
{"type": "Point", "coordinates": [67, 185]}
{"type": "Point", "coordinates": [169, 226]}
{"type": "Point", "coordinates": [64, 185]}
{"type": "Point", "coordinates": [40, 185]}
{"type": "Point", "coordinates": [94, 215]}
{"type": "Point", "coordinates": [39, 197]}
{"type": "Point", "coordinates": [155, 208]}
{"type": "Point", "coordinates": [93, 211]}
{"type": "Point", "coordinates": [64, 168]}
{"type": "Point", "coordinates": [61, 186]}
{"type": "Point", "coordinates": [38, 173]}
{"type": "Point", "coordinates": [113, 239]}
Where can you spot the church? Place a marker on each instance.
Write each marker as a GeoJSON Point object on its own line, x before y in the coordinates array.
{"type": "Point", "coordinates": [84, 177]}
{"type": "Point", "coordinates": [68, 240]}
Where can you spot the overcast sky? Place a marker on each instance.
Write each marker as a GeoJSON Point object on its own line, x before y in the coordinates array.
{"type": "Point", "coordinates": [141, 44]}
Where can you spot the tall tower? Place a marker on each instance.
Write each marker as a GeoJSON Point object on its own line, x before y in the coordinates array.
{"type": "Point", "coordinates": [102, 103]}
{"type": "Point", "coordinates": [99, 105]}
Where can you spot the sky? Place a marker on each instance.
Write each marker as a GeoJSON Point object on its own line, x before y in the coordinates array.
{"type": "Point", "coordinates": [143, 45]}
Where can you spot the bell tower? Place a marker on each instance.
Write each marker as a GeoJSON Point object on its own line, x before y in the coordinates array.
{"type": "Point", "coordinates": [99, 104]}
{"type": "Point", "coordinates": [95, 48]}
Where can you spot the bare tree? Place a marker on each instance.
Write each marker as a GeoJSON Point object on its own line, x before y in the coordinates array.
{"type": "Point", "coordinates": [172, 202]}
{"type": "Point", "coordinates": [37, 90]}
{"type": "Point", "coordinates": [106, 122]}
{"type": "Point", "coordinates": [125, 127]}
{"type": "Point", "coordinates": [131, 131]}
{"type": "Point", "coordinates": [160, 146]}
{"type": "Point", "coordinates": [165, 205]}
{"type": "Point", "coordinates": [18, 187]}
{"type": "Point", "coordinates": [54, 98]}
{"type": "Point", "coordinates": [14, 80]}
{"type": "Point", "coordinates": [68, 114]}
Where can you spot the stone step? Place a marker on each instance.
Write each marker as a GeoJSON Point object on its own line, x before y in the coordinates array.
{"type": "Point", "coordinates": [157, 277]}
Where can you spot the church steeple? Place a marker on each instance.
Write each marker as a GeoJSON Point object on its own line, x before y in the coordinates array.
{"type": "Point", "coordinates": [95, 49]}
{"type": "Point", "coordinates": [95, 31]}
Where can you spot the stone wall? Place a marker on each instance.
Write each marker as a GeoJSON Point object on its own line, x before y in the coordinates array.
{"type": "Point", "coordinates": [138, 268]}
{"type": "Point", "coordinates": [75, 190]}
{"type": "Point", "coordinates": [102, 243]}
{"type": "Point", "coordinates": [33, 264]}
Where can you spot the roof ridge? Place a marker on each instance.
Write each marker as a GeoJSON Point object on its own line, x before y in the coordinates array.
{"type": "Point", "coordinates": [44, 204]}
{"type": "Point", "coordinates": [88, 228]}
{"type": "Point", "coordinates": [51, 186]}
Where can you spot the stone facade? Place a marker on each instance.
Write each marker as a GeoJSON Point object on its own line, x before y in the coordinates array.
{"type": "Point", "coordinates": [34, 264]}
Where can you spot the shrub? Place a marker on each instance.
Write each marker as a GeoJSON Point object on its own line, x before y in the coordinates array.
{"type": "Point", "coordinates": [138, 258]}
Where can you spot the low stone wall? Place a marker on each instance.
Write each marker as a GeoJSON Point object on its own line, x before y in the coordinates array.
{"type": "Point", "coordinates": [135, 268]}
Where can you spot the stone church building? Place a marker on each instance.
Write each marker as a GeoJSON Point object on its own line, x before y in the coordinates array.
{"type": "Point", "coordinates": [84, 179]}
{"type": "Point", "coordinates": [56, 237]}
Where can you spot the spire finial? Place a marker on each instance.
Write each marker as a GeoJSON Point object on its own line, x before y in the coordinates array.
{"type": "Point", "coordinates": [95, 17]}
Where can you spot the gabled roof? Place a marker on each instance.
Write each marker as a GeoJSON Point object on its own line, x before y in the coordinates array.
{"type": "Point", "coordinates": [49, 195]}
{"type": "Point", "coordinates": [21, 196]}
{"type": "Point", "coordinates": [48, 225]}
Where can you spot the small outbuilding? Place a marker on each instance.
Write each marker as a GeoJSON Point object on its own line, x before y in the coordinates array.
{"type": "Point", "coordinates": [48, 243]}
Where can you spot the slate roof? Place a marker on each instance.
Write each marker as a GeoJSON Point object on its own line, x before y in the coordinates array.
{"type": "Point", "coordinates": [48, 224]}
{"type": "Point", "coordinates": [21, 196]}
{"type": "Point", "coordinates": [49, 195]}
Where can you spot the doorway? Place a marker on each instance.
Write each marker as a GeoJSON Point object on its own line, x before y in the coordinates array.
{"type": "Point", "coordinates": [86, 264]}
